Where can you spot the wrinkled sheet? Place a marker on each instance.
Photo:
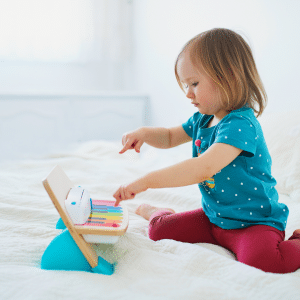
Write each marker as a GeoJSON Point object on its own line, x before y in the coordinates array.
{"type": "Point", "coordinates": [164, 269]}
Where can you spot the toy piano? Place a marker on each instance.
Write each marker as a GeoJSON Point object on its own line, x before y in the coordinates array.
{"type": "Point", "coordinates": [84, 221]}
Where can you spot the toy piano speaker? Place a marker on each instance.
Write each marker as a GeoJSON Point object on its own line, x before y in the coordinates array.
{"type": "Point", "coordinates": [84, 221]}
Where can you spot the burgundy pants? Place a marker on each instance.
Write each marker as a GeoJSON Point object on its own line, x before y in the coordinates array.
{"type": "Point", "coordinates": [259, 246]}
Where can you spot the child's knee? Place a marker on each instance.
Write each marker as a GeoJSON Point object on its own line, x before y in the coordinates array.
{"type": "Point", "coordinates": [267, 263]}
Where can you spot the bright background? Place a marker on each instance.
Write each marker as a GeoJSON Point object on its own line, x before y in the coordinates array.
{"type": "Point", "coordinates": [99, 46]}
{"type": "Point", "coordinates": [162, 28]}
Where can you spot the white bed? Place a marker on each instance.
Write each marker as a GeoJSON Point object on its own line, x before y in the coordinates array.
{"type": "Point", "coordinates": [165, 269]}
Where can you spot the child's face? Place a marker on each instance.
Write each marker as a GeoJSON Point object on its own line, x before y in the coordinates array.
{"type": "Point", "coordinates": [201, 89]}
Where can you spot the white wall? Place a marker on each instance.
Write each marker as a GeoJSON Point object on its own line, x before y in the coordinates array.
{"type": "Point", "coordinates": [65, 46]}
{"type": "Point", "coordinates": [163, 26]}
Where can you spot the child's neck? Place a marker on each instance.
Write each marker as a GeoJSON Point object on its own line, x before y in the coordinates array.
{"type": "Point", "coordinates": [216, 119]}
{"type": "Point", "coordinates": [213, 122]}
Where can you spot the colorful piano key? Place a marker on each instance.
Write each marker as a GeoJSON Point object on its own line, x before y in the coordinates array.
{"type": "Point", "coordinates": [104, 214]}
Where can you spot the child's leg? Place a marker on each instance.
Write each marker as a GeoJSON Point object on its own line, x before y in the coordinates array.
{"type": "Point", "coordinates": [190, 227]}
{"type": "Point", "coordinates": [262, 247]}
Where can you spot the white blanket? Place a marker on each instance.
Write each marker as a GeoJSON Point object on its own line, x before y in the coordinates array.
{"type": "Point", "coordinates": [165, 269]}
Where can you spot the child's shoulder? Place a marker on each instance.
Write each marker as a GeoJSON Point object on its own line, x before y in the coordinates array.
{"type": "Point", "coordinates": [241, 121]}
{"type": "Point", "coordinates": [244, 115]}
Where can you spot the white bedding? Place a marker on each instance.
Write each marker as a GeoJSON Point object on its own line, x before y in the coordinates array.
{"type": "Point", "coordinates": [146, 269]}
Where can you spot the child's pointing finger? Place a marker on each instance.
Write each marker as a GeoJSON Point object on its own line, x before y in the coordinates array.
{"type": "Point", "coordinates": [117, 196]}
{"type": "Point", "coordinates": [125, 148]}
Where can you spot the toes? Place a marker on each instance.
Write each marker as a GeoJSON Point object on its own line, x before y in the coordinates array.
{"type": "Point", "coordinates": [137, 211]}
{"type": "Point", "coordinates": [140, 208]}
{"type": "Point", "coordinates": [296, 232]}
{"type": "Point", "coordinates": [170, 210]}
{"type": "Point", "coordinates": [145, 209]}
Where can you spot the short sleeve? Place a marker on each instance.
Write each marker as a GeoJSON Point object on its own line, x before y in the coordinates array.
{"type": "Point", "coordinates": [188, 126]}
{"type": "Point", "coordinates": [239, 132]}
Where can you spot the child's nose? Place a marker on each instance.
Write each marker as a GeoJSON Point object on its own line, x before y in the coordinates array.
{"type": "Point", "coordinates": [189, 94]}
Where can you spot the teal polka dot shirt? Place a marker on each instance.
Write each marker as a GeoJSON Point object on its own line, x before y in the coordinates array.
{"type": "Point", "coordinates": [243, 193]}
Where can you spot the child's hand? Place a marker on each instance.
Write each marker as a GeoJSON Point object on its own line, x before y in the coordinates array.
{"type": "Point", "coordinates": [129, 191]}
{"type": "Point", "coordinates": [133, 140]}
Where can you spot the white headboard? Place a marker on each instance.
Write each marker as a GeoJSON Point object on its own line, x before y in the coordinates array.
{"type": "Point", "coordinates": [37, 124]}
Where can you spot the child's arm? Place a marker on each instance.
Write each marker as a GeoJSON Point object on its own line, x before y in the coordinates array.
{"type": "Point", "coordinates": [154, 136]}
{"type": "Point", "coordinates": [194, 170]}
{"type": "Point", "coordinates": [165, 138]}
{"type": "Point", "coordinates": [178, 136]}
{"type": "Point", "coordinates": [158, 137]}
{"type": "Point", "coordinates": [188, 172]}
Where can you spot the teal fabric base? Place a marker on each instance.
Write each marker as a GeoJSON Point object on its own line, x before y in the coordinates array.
{"type": "Point", "coordinates": [64, 254]}
{"type": "Point", "coordinates": [60, 224]}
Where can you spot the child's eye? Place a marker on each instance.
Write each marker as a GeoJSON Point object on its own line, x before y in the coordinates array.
{"type": "Point", "coordinates": [193, 84]}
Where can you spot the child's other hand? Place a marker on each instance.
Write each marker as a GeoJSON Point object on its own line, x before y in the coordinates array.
{"type": "Point", "coordinates": [133, 140]}
{"type": "Point", "coordinates": [129, 191]}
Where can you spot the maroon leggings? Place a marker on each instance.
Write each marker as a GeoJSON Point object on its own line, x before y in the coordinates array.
{"type": "Point", "coordinates": [259, 246]}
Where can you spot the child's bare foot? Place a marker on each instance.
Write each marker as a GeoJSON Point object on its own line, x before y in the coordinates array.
{"type": "Point", "coordinates": [297, 232]}
{"type": "Point", "coordinates": [146, 210]}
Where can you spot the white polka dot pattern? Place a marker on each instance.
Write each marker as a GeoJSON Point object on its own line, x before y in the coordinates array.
{"type": "Point", "coordinates": [242, 193]}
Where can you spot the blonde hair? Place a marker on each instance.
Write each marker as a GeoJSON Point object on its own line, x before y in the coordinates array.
{"type": "Point", "coordinates": [227, 59]}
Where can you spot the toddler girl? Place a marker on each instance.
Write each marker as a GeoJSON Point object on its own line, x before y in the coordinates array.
{"type": "Point", "coordinates": [231, 163]}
